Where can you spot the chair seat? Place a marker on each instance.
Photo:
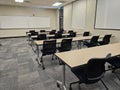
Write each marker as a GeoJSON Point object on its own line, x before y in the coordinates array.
{"type": "Point", "coordinates": [47, 52]}
{"type": "Point", "coordinates": [102, 43]}
{"type": "Point", "coordinates": [90, 44]}
{"type": "Point", "coordinates": [60, 49]}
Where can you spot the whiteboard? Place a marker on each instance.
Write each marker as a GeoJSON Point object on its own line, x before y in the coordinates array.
{"type": "Point", "coordinates": [24, 22]}
{"type": "Point", "coordinates": [79, 14]}
{"type": "Point", "coordinates": [108, 14]}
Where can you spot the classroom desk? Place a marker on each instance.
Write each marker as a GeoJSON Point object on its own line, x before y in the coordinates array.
{"type": "Point", "coordinates": [79, 57]}
{"type": "Point", "coordinates": [52, 35]}
{"type": "Point", "coordinates": [29, 37]}
{"type": "Point", "coordinates": [79, 38]}
{"type": "Point", "coordinates": [40, 42]}
{"type": "Point", "coordinates": [47, 32]}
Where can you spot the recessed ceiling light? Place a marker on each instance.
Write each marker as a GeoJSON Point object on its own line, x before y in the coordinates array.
{"type": "Point", "coordinates": [20, 1]}
{"type": "Point", "coordinates": [57, 4]}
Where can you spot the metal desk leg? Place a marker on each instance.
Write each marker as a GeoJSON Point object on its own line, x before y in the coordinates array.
{"type": "Point", "coordinates": [63, 82]}
{"type": "Point", "coordinates": [79, 44]}
{"type": "Point", "coordinates": [37, 54]}
{"type": "Point", "coordinates": [40, 62]}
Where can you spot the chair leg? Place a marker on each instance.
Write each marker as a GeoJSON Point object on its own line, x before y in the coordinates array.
{"type": "Point", "coordinates": [104, 85]}
{"type": "Point", "coordinates": [70, 88]}
{"type": "Point", "coordinates": [113, 71]}
{"type": "Point", "coordinates": [53, 57]}
{"type": "Point", "coordinates": [60, 62]}
{"type": "Point", "coordinates": [42, 64]}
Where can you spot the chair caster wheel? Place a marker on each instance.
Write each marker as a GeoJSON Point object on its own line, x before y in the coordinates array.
{"type": "Point", "coordinates": [109, 66]}
{"type": "Point", "coordinates": [113, 71]}
{"type": "Point", "coordinates": [70, 88]}
{"type": "Point", "coordinates": [58, 85]}
{"type": "Point", "coordinates": [43, 68]}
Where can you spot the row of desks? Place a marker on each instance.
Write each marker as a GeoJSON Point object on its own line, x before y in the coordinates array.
{"type": "Point", "coordinates": [52, 35]}
{"type": "Point", "coordinates": [78, 39]}
{"type": "Point", "coordinates": [79, 57]}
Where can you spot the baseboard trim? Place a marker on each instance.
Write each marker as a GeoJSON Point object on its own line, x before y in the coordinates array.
{"type": "Point", "coordinates": [12, 37]}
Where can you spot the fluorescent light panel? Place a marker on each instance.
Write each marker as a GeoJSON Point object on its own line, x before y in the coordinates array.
{"type": "Point", "coordinates": [57, 4]}
{"type": "Point", "coordinates": [20, 1]}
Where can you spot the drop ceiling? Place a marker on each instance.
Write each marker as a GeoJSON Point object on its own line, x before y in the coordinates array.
{"type": "Point", "coordinates": [34, 3]}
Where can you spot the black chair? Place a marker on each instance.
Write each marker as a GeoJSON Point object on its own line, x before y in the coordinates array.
{"type": "Point", "coordinates": [58, 35]}
{"type": "Point", "coordinates": [66, 45]}
{"type": "Point", "coordinates": [114, 61]}
{"type": "Point", "coordinates": [70, 31]}
{"type": "Point", "coordinates": [52, 32]}
{"type": "Point", "coordinates": [91, 72]}
{"type": "Point", "coordinates": [31, 31]}
{"type": "Point", "coordinates": [49, 47]}
{"type": "Point", "coordinates": [93, 42]}
{"type": "Point", "coordinates": [105, 40]}
{"type": "Point", "coordinates": [41, 37]}
{"type": "Point", "coordinates": [86, 34]}
{"type": "Point", "coordinates": [61, 32]}
{"type": "Point", "coordinates": [42, 31]}
{"type": "Point", "coordinates": [72, 34]}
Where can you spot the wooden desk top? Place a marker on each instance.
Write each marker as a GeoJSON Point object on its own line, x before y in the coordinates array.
{"type": "Point", "coordinates": [48, 35]}
{"type": "Point", "coordinates": [28, 33]}
{"type": "Point", "coordinates": [40, 42]}
{"type": "Point", "coordinates": [79, 57]}
{"type": "Point", "coordinates": [52, 35]}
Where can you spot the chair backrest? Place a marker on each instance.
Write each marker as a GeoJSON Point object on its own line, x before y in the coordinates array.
{"type": "Point", "coordinates": [58, 35]}
{"type": "Point", "coordinates": [94, 39]}
{"type": "Point", "coordinates": [52, 32]}
{"type": "Point", "coordinates": [95, 69]}
{"type": "Point", "coordinates": [34, 33]}
{"type": "Point", "coordinates": [114, 60]}
{"type": "Point", "coordinates": [66, 44]}
{"type": "Point", "coordinates": [41, 37]}
{"type": "Point", "coordinates": [86, 33]}
{"type": "Point", "coordinates": [106, 39]}
{"type": "Point", "coordinates": [61, 32]}
{"type": "Point", "coordinates": [70, 31]}
{"type": "Point", "coordinates": [42, 30]}
{"type": "Point", "coordinates": [49, 47]}
{"type": "Point", "coordinates": [72, 34]}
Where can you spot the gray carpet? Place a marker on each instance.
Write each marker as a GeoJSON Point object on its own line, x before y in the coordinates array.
{"type": "Point", "coordinates": [20, 71]}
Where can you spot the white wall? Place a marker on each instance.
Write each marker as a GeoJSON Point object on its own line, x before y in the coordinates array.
{"type": "Point", "coordinates": [25, 11]}
{"type": "Point", "coordinates": [89, 23]}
